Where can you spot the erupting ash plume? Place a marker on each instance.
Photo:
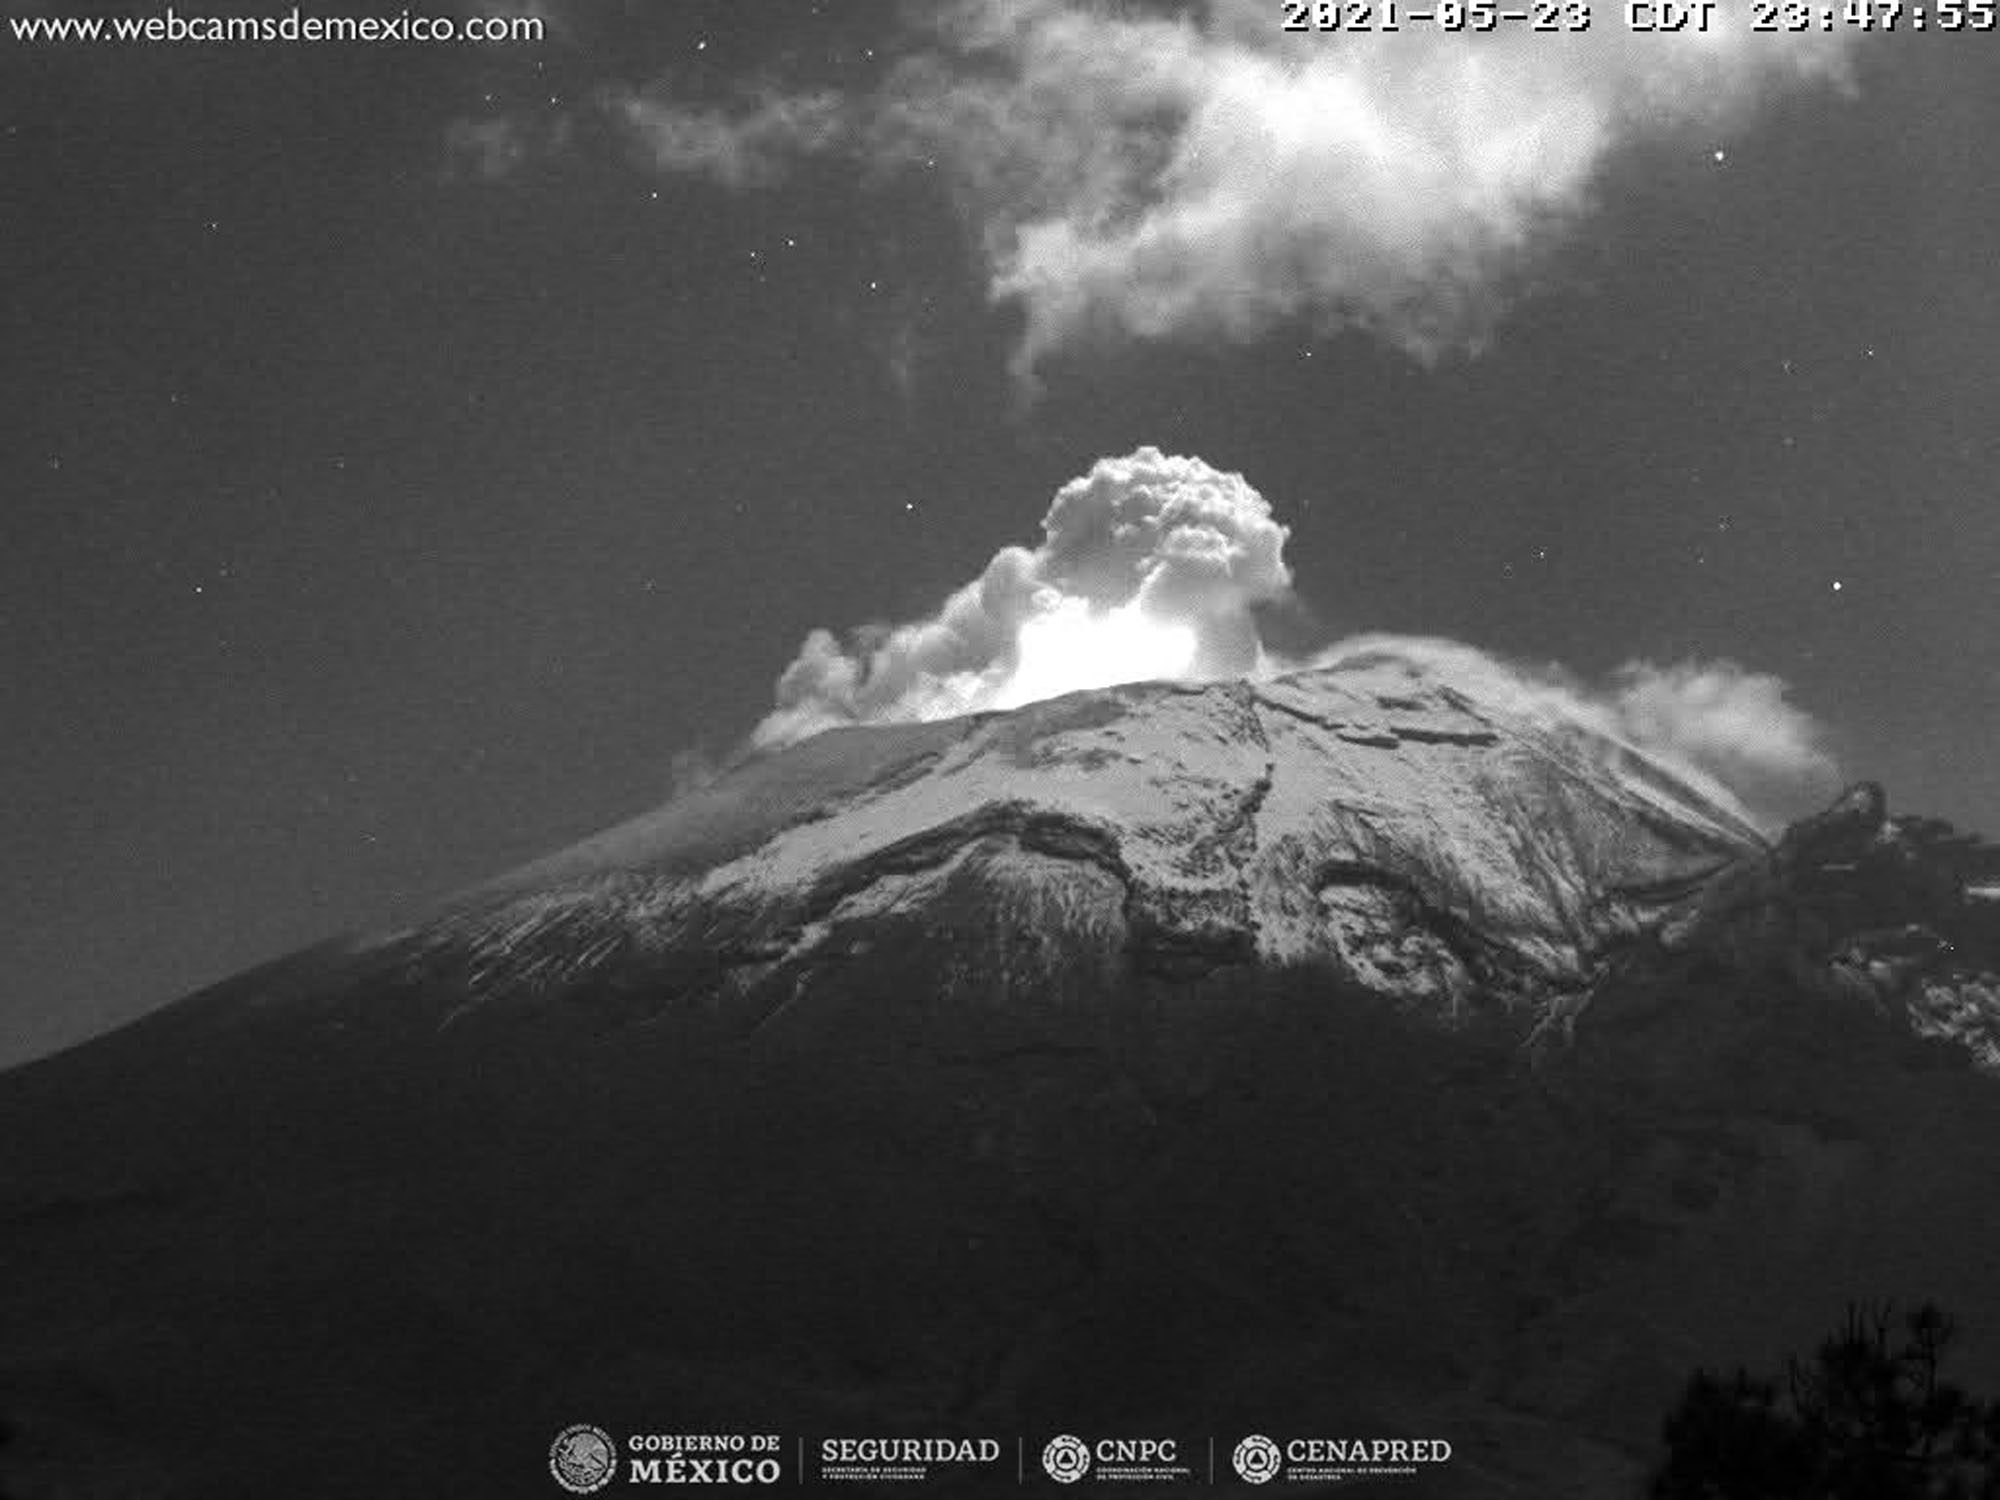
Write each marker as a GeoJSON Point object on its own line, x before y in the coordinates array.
{"type": "Point", "coordinates": [1149, 567]}
{"type": "Point", "coordinates": [1152, 566]}
{"type": "Point", "coordinates": [1202, 170]}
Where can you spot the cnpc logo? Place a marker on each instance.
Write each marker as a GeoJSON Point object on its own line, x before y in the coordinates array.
{"type": "Point", "coordinates": [1068, 1458]}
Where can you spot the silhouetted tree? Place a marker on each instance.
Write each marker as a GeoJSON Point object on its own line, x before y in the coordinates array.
{"type": "Point", "coordinates": [1863, 1420]}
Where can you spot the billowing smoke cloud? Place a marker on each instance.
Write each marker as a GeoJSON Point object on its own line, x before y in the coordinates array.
{"type": "Point", "coordinates": [1208, 173]}
{"type": "Point", "coordinates": [1152, 567]}
{"type": "Point", "coordinates": [1149, 567]}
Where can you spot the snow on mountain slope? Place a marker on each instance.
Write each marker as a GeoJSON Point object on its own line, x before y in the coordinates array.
{"type": "Point", "coordinates": [1368, 819]}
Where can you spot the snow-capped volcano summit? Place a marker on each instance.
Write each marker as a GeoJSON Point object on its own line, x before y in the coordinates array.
{"type": "Point", "coordinates": [1341, 1053]}
{"type": "Point", "coordinates": [1368, 820]}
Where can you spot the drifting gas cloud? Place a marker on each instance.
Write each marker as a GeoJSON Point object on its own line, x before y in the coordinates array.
{"type": "Point", "coordinates": [1154, 175]}
{"type": "Point", "coordinates": [1730, 731]}
{"type": "Point", "coordinates": [1737, 725]}
{"type": "Point", "coordinates": [1153, 567]}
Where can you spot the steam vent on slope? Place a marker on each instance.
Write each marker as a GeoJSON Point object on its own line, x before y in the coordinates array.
{"type": "Point", "coordinates": [1154, 1059]}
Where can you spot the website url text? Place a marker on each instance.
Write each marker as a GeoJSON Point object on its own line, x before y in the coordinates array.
{"type": "Point", "coordinates": [293, 26]}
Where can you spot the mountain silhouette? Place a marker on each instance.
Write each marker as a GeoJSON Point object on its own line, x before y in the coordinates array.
{"type": "Point", "coordinates": [1335, 1055]}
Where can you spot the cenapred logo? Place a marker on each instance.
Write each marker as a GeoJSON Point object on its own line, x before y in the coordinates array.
{"type": "Point", "coordinates": [583, 1458]}
{"type": "Point", "coordinates": [1066, 1459]}
{"type": "Point", "coordinates": [1257, 1459]}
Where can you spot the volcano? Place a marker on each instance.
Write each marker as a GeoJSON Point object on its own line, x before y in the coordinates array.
{"type": "Point", "coordinates": [1333, 1055]}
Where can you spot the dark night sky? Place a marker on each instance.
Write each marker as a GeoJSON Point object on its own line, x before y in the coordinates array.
{"type": "Point", "coordinates": [374, 523]}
